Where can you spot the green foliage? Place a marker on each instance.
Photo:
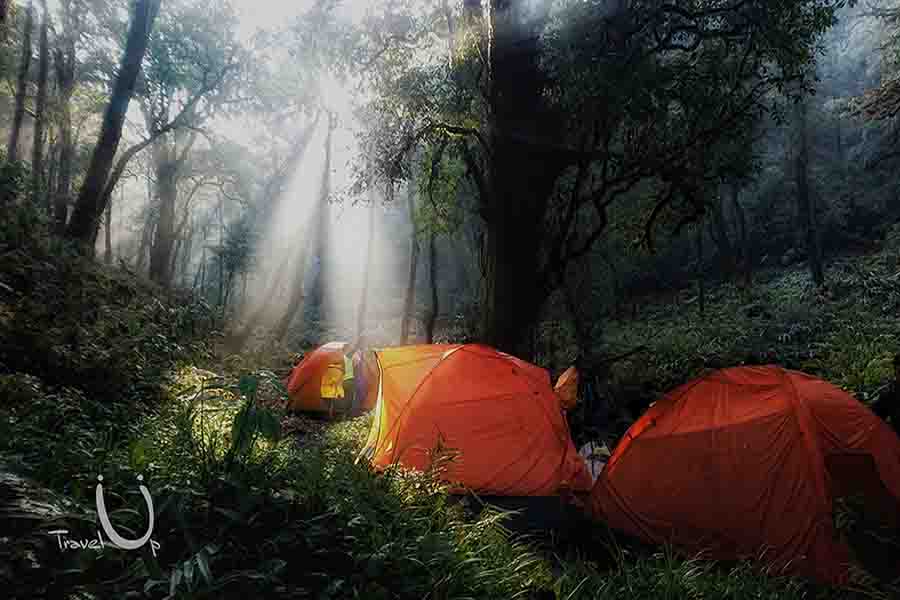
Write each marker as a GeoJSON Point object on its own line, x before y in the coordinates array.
{"type": "Point", "coordinates": [63, 436]}
{"type": "Point", "coordinates": [440, 177]}
{"type": "Point", "coordinates": [848, 339]}
{"type": "Point", "coordinates": [13, 180]}
{"type": "Point", "coordinates": [666, 575]}
{"type": "Point", "coordinates": [237, 252]}
{"type": "Point", "coordinates": [24, 225]}
{"type": "Point", "coordinates": [308, 520]}
{"type": "Point", "coordinates": [78, 325]}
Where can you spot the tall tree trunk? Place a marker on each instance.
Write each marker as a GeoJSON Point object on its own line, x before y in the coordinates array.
{"type": "Point", "coordinates": [167, 193]}
{"type": "Point", "coordinates": [432, 282]}
{"type": "Point", "coordinates": [839, 142]}
{"type": "Point", "coordinates": [410, 297]}
{"type": "Point", "coordinates": [309, 241]}
{"type": "Point", "coordinates": [146, 240]}
{"type": "Point", "coordinates": [616, 285]}
{"type": "Point", "coordinates": [149, 222]}
{"type": "Point", "coordinates": [173, 262]}
{"type": "Point", "coordinates": [746, 244]}
{"type": "Point", "coordinates": [179, 233]}
{"type": "Point", "coordinates": [89, 206]}
{"type": "Point", "coordinates": [167, 164]}
{"type": "Point", "coordinates": [522, 176]}
{"type": "Point", "coordinates": [814, 242]}
{"type": "Point", "coordinates": [512, 298]}
{"type": "Point", "coordinates": [222, 297]}
{"type": "Point", "coordinates": [107, 254]}
{"type": "Point", "coordinates": [806, 198]}
{"type": "Point", "coordinates": [577, 291]}
{"type": "Point", "coordinates": [64, 168]}
{"type": "Point", "coordinates": [229, 282]}
{"type": "Point", "coordinates": [119, 169]}
{"type": "Point", "coordinates": [4, 13]}
{"type": "Point", "coordinates": [701, 283]}
{"type": "Point", "coordinates": [186, 253]}
{"type": "Point", "coordinates": [65, 84]}
{"type": "Point", "coordinates": [12, 148]}
{"type": "Point", "coordinates": [40, 112]}
{"type": "Point", "coordinates": [720, 235]}
{"type": "Point", "coordinates": [203, 261]}
{"type": "Point", "coordinates": [50, 182]}
{"type": "Point", "coordinates": [367, 274]}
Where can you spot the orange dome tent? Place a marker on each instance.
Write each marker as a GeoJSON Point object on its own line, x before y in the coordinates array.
{"type": "Point", "coordinates": [316, 382]}
{"type": "Point", "coordinates": [746, 462]}
{"type": "Point", "coordinates": [497, 414]}
{"type": "Point", "coordinates": [567, 388]}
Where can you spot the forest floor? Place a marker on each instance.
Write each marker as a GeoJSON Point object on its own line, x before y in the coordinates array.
{"type": "Point", "coordinates": [101, 374]}
{"type": "Point", "coordinates": [847, 334]}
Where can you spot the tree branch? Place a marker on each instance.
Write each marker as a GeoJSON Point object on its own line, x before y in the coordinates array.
{"type": "Point", "coordinates": [664, 200]}
{"type": "Point", "coordinates": [466, 131]}
{"type": "Point", "coordinates": [485, 199]}
{"type": "Point", "coordinates": [435, 166]}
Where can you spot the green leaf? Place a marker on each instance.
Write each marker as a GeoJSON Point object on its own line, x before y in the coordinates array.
{"type": "Point", "coordinates": [242, 429]}
{"type": "Point", "coordinates": [268, 424]}
{"type": "Point", "coordinates": [248, 385]}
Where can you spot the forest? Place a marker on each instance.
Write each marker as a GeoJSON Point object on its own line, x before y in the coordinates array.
{"type": "Point", "coordinates": [198, 196]}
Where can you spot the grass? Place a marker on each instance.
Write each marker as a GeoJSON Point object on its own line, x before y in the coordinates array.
{"type": "Point", "coordinates": [244, 508]}
{"type": "Point", "coordinates": [848, 338]}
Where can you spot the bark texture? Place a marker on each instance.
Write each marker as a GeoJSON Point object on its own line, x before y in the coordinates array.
{"type": "Point", "coordinates": [12, 148]}
{"type": "Point", "coordinates": [65, 84]}
{"type": "Point", "coordinates": [107, 221]}
{"type": "Point", "coordinates": [90, 206]}
{"type": "Point", "coordinates": [522, 176]}
{"type": "Point", "coordinates": [40, 111]}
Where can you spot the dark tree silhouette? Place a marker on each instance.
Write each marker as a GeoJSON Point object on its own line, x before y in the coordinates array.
{"type": "Point", "coordinates": [90, 204]}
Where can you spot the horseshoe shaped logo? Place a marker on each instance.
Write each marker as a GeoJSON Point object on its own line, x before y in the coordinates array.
{"type": "Point", "coordinates": [116, 539]}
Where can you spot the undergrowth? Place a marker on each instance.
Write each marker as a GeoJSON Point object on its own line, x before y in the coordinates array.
{"type": "Point", "coordinates": [846, 335]}
{"type": "Point", "coordinates": [99, 376]}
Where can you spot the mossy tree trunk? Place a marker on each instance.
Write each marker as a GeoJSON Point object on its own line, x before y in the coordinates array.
{"type": "Point", "coordinates": [12, 147]}
{"type": "Point", "coordinates": [40, 111]}
{"type": "Point", "coordinates": [168, 162]}
{"type": "Point", "coordinates": [522, 175]}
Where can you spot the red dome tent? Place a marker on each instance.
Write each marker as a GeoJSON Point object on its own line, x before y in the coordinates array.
{"type": "Point", "coordinates": [499, 413]}
{"type": "Point", "coordinates": [746, 462]}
